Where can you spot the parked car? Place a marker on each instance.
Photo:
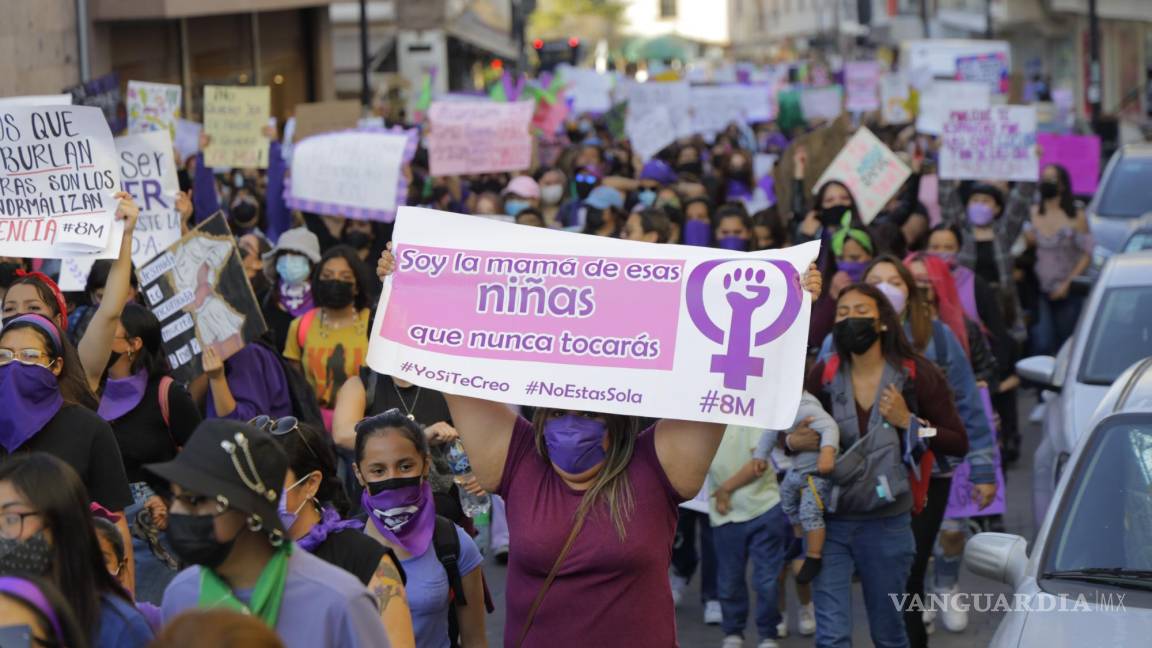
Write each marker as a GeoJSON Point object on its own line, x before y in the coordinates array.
{"type": "Point", "coordinates": [1115, 329]}
{"type": "Point", "coordinates": [1122, 201]}
{"type": "Point", "coordinates": [1092, 553]}
{"type": "Point", "coordinates": [1140, 239]}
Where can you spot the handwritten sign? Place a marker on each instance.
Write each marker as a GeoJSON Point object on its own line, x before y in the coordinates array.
{"type": "Point", "coordinates": [715, 107]}
{"type": "Point", "coordinates": [325, 117]}
{"type": "Point", "coordinates": [199, 292]}
{"type": "Point", "coordinates": [1080, 154]}
{"type": "Point", "coordinates": [58, 174]}
{"type": "Point", "coordinates": [103, 93]}
{"type": "Point", "coordinates": [870, 171]}
{"type": "Point", "coordinates": [940, 98]}
{"type": "Point", "coordinates": [821, 103]}
{"type": "Point", "coordinates": [557, 319]}
{"type": "Point", "coordinates": [650, 133]}
{"type": "Point", "coordinates": [675, 96]}
{"type": "Point", "coordinates": [354, 173]}
{"type": "Point", "coordinates": [961, 503]}
{"type": "Point", "coordinates": [148, 172]}
{"type": "Point", "coordinates": [989, 69]}
{"type": "Point", "coordinates": [895, 100]}
{"type": "Point", "coordinates": [862, 82]}
{"type": "Point", "coordinates": [479, 137]}
{"type": "Point", "coordinates": [153, 106]}
{"type": "Point", "coordinates": [590, 91]}
{"type": "Point", "coordinates": [235, 117]}
{"type": "Point", "coordinates": [187, 140]}
{"type": "Point", "coordinates": [997, 143]}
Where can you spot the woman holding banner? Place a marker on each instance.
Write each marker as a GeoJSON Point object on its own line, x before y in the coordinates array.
{"type": "Point", "coordinates": [592, 507]}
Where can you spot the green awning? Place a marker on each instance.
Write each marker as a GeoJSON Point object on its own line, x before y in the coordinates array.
{"type": "Point", "coordinates": [658, 48]}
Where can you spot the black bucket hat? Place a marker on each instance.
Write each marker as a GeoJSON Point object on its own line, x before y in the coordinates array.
{"type": "Point", "coordinates": [241, 466]}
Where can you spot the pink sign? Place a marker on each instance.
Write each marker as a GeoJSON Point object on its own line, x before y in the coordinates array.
{"type": "Point", "coordinates": [1080, 154]}
{"type": "Point", "coordinates": [469, 137]}
{"type": "Point", "coordinates": [862, 83]}
{"type": "Point", "coordinates": [550, 116]}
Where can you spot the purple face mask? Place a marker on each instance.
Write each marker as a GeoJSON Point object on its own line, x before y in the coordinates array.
{"type": "Point", "coordinates": [854, 269]}
{"type": "Point", "coordinates": [734, 243]}
{"type": "Point", "coordinates": [402, 511]}
{"type": "Point", "coordinates": [895, 296]}
{"type": "Point", "coordinates": [31, 397]}
{"type": "Point", "coordinates": [980, 214]}
{"type": "Point", "coordinates": [575, 442]}
{"type": "Point", "coordinates": [696, 232]}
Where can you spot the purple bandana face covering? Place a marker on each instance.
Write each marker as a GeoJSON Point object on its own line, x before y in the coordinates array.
{"type": "Point", "coordinates": [980, 214]}
{"type": "Point", "coordinates": [575, 443]}
{"type": "Point", "coordinates": [734, 243]}
{"type": "Point", "coordinates": [696, 232]}
{"type": "Point", "coordinates": [122, 395]}
{"type": "Point", "coordinates": [31, 397]}
{"type": "Point", "coordinates": [854, 269]}
{"type": "Point", "coordinates": [402, 511]}
{"type": "Point", "coordinates": [296, 298]}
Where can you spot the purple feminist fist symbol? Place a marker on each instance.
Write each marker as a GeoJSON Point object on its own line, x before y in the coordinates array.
{"type": "Point", "coordinates": [745, 291]}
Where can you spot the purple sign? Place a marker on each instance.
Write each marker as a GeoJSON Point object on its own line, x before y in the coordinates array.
{"type": "Point", "coordinates": [961, 502]}
{"type": "Point", "coordinates": [1080, 154]}
{"type": "Point", "coordinates": [102, 93]}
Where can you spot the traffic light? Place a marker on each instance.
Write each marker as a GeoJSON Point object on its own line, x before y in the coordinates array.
{"type": "Point", "coordinates": [538, 44]}
{"type": "Point", "coordinates": [574, 50]}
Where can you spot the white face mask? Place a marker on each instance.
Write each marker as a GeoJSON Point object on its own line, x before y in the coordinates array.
{"type": "Point", "coordinates": [551, 194]}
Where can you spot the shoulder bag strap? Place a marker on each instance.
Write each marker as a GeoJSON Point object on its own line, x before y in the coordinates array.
{"type": "Point", "coordinates": [579, 524]}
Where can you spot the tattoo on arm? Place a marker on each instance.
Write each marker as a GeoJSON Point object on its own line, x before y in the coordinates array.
{"type": "Point", "coordinates": [387, 583]}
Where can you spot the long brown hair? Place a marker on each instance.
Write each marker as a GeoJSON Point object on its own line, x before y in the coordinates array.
{"type": "Point", "coordinates": [611, 486]}
{"type": "Point", "coordinates": [894, 345]}
{"type": "Point", "coordinates": [917, 310]}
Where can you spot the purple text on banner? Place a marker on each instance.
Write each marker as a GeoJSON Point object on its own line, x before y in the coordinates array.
{"type": "Point", "coordinates": [961, 503]}
{"type": "Point", "coordinates": [1080, 154]}
{"type": "Point", "coordinates": [546, 307]}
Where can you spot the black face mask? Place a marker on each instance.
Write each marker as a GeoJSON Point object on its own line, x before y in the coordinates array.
{"type": "Point", "coordinates": [695, 168]}
{"type": "Point", "coordinates": [31, 556]}
{"type": "Point", "coordinates": [332, 293]}
{"type": "Point", "coordinates": [244, 214]}
{"type": "Point", "coordinates": [377, 487]}
{"type": "Point", "coordinates": [193, 540]}
{"type": "Point", "coordinates": [855, 335]}
{"type": "Point", "coordinates": [184, 180]}
{"type": "Point", "coordinates": [831, 216]}
{"type": "Point", "coordinates": [583, 189]}
{"type": "Point", "coordinates": [1049, 189]}
{"type": "Point", "coordinates": [357, 240]}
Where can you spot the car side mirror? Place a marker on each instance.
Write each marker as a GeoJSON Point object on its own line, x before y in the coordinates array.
{"type": "Point", "coordinates": [1040, 370]}
{"type": "Point", "coordinates": [1001, 557]}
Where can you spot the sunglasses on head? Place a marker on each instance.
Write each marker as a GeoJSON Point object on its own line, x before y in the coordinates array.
{"type": "Point", "coordinates": [280, 427]}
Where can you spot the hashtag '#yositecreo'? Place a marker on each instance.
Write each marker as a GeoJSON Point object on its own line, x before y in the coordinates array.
{"type": "Point", "coordinates": [406, 367]}
{"type": "Point", "coordinates": [532, 387]}
{"type": "Point", "coordinates": [709, 401]}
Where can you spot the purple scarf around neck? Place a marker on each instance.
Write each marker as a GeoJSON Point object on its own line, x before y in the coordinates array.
{"type": "Point", "coordinates": [329, 523]}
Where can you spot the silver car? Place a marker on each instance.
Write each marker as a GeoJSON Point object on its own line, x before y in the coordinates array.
{"type": "Point", "coordinates": [1114, 330]}
{"type": "Point", "coordinates": [1122, 202]}
{"type": "Point", "coordinates": [1088, 580]}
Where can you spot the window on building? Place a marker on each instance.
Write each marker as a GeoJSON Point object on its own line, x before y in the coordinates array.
{"type": "Point", "coordinates": [667, 8]}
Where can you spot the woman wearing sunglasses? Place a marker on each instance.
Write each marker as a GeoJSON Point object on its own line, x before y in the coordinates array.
{"type": "Point", "coordinates": [312, 509]}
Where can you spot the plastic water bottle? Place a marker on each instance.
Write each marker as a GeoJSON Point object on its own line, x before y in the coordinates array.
{"type": "Point", "coordinates": [474, 506]}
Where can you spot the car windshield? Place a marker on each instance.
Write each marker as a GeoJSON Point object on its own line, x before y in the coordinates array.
{"type": "Point", "coordinates": [1141, 240]}
{"type": "Point", "coordinates": [1126, 193]}
{"type": "Point", "coordinates": [1121, 334]}
{"type": "Point", "coordinates": [1105, 519]}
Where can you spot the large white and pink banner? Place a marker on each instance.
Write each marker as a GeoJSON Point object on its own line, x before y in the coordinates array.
{"type": "Point", "coordinates": [547, 318]}
{"type": "Point", "coordinates": [479, 137]}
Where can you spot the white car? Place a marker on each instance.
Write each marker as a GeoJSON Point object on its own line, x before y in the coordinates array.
{"type": "Point", "coordinates": [1114, 330]}
{"type": "Point", "coordinates": [1088, 580]}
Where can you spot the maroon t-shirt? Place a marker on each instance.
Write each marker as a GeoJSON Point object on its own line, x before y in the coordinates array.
{"type": "Point", "coordinates": [608, 592]}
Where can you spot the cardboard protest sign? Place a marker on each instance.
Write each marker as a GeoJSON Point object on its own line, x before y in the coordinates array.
{"type": "Point", "coordinates": [325, 117]}
{"type": "Point", "coordinates": [103, 93]}
{"type": "Point", "coordinates": [997, 143]}
{"type": "Point", "coordinates": [353, 173]}
{"type": "Point", "coordinates": [235, 117]}
{"type": "Point", "coordinates": [1080, 154]}
{"type": "Point", "coordinates": [822, 145]}
{"type": "Point", "coordinates": [895, 100]}
{"type": "Point", "coordinates": [148, 172]}
{"type": "Point", "coordinates": [479, 137]}
{"type": "Point", "coordinates": [675, 96]}
{"type": "Point", "coordinates": [989, 69]}
{"type": "Point", "coordinates": [591, 91]}
{"type": "Point", "coordinates": [870, 170]}
{"type": "Point", "coordinates": [961, 502]}
{"type": "Point", "coordinates": [58, 175]}
{"type": "Point", "coordinates": [862, 82]}
{"type": "Point", "coordinates": [821, 103]}
{"type": "Point", "coordinates": [942, 97]}
{"type": "Point", "coordinates": [650, 133]}
{"type": "Point", "coordinates": [198, 290]}
{"type": "Point", "coordinates": [153, 106]}
{"type": "Point", "coordinates": [557, 319]}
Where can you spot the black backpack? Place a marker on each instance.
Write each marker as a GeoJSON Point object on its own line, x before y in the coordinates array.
{"type": "Point", "coordinates": [305, 407]}
{"type": "Point", "coordinates": [447, 545]}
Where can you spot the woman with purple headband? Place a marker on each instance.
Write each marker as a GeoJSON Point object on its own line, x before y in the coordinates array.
{"type": "Point", "coordinates": [38, 605]}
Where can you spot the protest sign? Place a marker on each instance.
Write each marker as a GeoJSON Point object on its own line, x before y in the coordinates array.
{"type": "Point", "coordinates": [895, 100]}
{"type": "Point", "coordinates": [153, 106]}
{"type": "Point", "coordinates": [715, 107]}
{"type": "Point", "coordinates": [148, 172]}
{"type": "Point", "coordinates": [353, 173]}
{"type": "Point", "coordinates": [870, 170]}
{"type": "Point", "coordinates": [650, 133]}
{"type": "Point", "coordinates": [821, 103]}
{"type": "Point", "coordinates": [198, 290]}
{"type": "Point", "coordinates": [676, 96]}
{"type": "Point", "coordinates": [187, 140]}
{"type": "Point", "coordinates": [997, 142]}
{"type": "Point", "coordinates": [58, 175]}
{"type": "Point", "coordinates": [862, 82]}
{"type": "Point", "coordinates": [479, 137]}
{"type": "Point", "coordinates": [325, 117]}
{"type": "Point", "coordinates": [235, 117]}
{"type": "Point", "coordinates": [591, 91]}
{"type": "Point", "coordinates": [556, 319]}
{"type": "Point", "coordinates": [989, 69]}
{"type": "Point", "coordinates": [942, 97]}
{"type": "Point", "coordinates": [961, 500]}
{"type": "Point", "coordinates": [103, 93]}
{"type": "Point", "coordinates": [549, 117]}
{"type": "Point", "coordinates": [1080, 154]}
{"type": "Point", "coordinates": [37, 100]}
{"type": "Point", "coordinates": [940, 55]}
